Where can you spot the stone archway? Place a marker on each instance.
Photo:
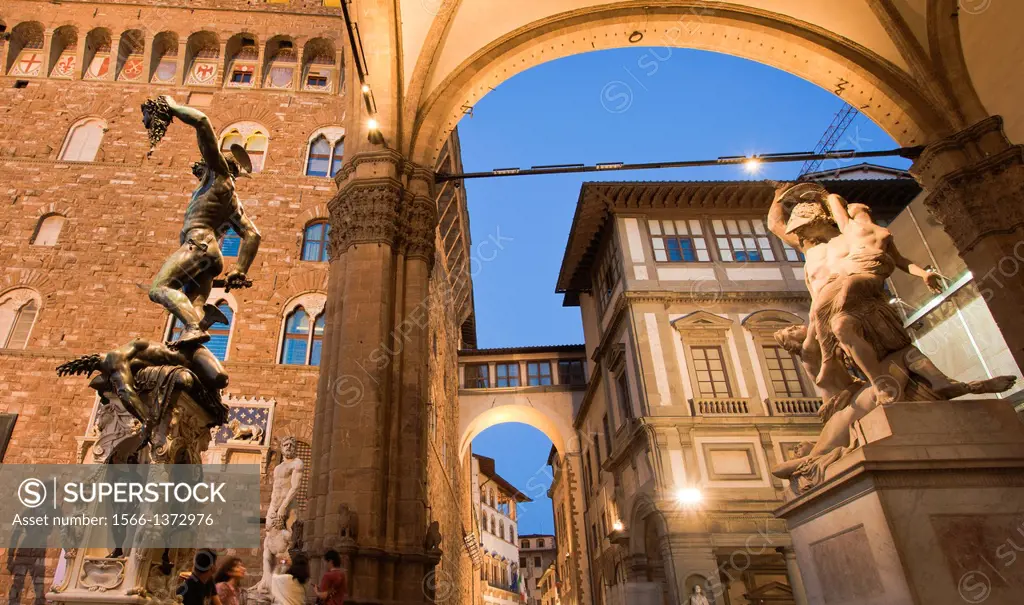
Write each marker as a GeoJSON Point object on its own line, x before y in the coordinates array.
{"type": "Point", "coordinates": [880, 86]}
{"type": "Point", "coordinates": [550, 413]}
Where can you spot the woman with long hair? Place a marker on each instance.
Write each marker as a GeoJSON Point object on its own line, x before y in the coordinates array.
{"type": "Point", "coordinates": [289, 588]}
{"type": "Point", "coordinates": [229, 577]}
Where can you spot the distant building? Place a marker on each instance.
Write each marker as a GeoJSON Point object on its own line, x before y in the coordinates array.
{"type": "Point", "coordinates": [494, 503]}
{"type": "Point", "coordinates": [536, 553]}
{"type": "Point", "coordinates": [549, 587]}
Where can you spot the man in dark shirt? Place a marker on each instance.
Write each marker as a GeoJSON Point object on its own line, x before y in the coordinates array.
{"type": "Point", "coordinates": [198, 588]}
{"type": "Point", "coordinates": [334, 584]}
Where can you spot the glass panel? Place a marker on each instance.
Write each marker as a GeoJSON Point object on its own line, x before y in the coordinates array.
{"type": "Point", "coordinates": [655, 227]}
{"type": "Point", "coordinates": [681, 228]}
{"type": "Point", "coordinates": [695, 227]}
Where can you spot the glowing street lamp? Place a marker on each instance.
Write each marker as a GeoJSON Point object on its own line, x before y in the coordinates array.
{"type": "Point", "coordinates": [752, 165]}
{"type": "Point", "coordinates": [689, 496]}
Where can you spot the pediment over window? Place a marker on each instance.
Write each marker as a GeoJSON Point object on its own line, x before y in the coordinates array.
{"type": "Point", "coordinates": [772, 592]}
{"type": "Point", "coordinates": [702, 320]}
{"type": "Point", "coordinates": [768, 321]}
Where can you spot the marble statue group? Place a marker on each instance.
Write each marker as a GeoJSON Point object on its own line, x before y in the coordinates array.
{"type": "Point", "coordinates": [854, 346]}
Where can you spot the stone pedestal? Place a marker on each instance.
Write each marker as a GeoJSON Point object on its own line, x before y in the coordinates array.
{"type": "Point", "coordinates": [183, 432]}
{"type": "Point", "coordinates": [929, 511]}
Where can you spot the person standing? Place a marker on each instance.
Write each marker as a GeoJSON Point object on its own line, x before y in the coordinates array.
{"type": "Point", "coordinates": [228, 579]}
{"type": "Point", "coordinates": [289, 588]}
{"type": "Point", "coordinates": [334, 584]}
{"type": "Point", "coordinates": [198, 588]}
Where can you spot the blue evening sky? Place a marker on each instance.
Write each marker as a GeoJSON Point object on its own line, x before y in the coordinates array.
{"type": "Point", "coordinates": [627, 105]}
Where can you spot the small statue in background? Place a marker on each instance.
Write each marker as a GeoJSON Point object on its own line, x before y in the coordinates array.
{"type": "Point", "coordinates": [432, 541]}
{"type": "Point", "coordinates": [287, 479]}
{"type": "Point", "coordinates": [697, 596]}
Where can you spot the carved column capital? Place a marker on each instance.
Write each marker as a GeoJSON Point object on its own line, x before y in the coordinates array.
{"type": "Point", "coordinates": [975, 182]}
{"type": "Point", "coordinates": [417, 220]}
{"type": "Point", "coordinates": [364, 212]}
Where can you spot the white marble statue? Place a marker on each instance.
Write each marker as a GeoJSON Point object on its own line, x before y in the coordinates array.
{"type": "Point", "coordinates": [697, 596]}
{"type": "Point", "coordinates": [280, 516]}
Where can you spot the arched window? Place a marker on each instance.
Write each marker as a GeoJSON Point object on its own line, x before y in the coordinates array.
{"type": "Point", "coordinates": [317, 340]}
{"type": "Point", "coordinates": [336, 158]}
{"type": "Point", "coordinates": [83, 140]}
{"type": "Point", "coordinates": [296, 338]}
{"type": "Point", "coordinates": [325, 152]}
{"type": "Point", "coordinates": [220, 333]}
{"type": "Point", "coordinates": [250, 135]}
{"type": "Point", "coordinates": [230, 243]}
{"type": "Point", "coordinates": [48, 230]}
{"type": "Point", "coordinates": [319, 162]}
{"type": "Point", "coordinates": [302, 332]}
{"type": "Point", "coordinates": [314, 241]}
{"type": "Point", "coordinates": [20, 320]}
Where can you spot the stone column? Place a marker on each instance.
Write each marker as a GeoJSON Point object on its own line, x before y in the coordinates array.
{"type": "Point", "coordinates": [796, 581]}
{"type": "Point", "coordinates": [182, 62]}
{"type": "Point", "coordinates": [147, 58]}
{"type": "Point", "coordinates": [370, 419]}
{"type": "Point", "coordinates": [975, 184]}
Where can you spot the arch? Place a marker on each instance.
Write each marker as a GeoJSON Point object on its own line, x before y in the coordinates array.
{"type": "Point", "coordinates": [325, 151]}
{"type": "Point", "coordinates": [130, 56]}
{"type": "Point", "coordinates": [63, 51]}
{"type": "Point", "coordinates": [19, 310]}
{"type": "Point", "coordinates": [48, 230]}
{"type": "Point", "coordinates": [882, 91]}
{"type": "Point", "coordinates": [241, 56]}
{"type": "Point", "coordinates": [83, 140]}
{"type": "Point", "coordinates": [96, 65]}
{"type": "Point", "coordinates": [25, 54]}
{"type": "Point", "coordinates": [250, 135]}
{"type": "Point", "coordinates": [319, 71]}
{"type": "Point", "coordinates": [475, 418]}
{"type": "Point", "coordinates": [280, 62]}
{"type": "Point", "coordinates": [163, 66]}
{"type": "Point", "coordinates": [202, 59]}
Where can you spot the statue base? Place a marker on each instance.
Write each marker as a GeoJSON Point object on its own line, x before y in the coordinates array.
{"type": "Point", "coordinates": [929, 511]}
{"type": "Point", "coordinates": [185, 413]}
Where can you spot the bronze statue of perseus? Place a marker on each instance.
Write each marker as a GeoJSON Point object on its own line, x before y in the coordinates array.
{"type": "Point", "coordinates": [186, 278]}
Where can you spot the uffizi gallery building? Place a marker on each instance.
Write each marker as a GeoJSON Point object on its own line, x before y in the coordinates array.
{"type": "Point", "coordinates": [355, 347]}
